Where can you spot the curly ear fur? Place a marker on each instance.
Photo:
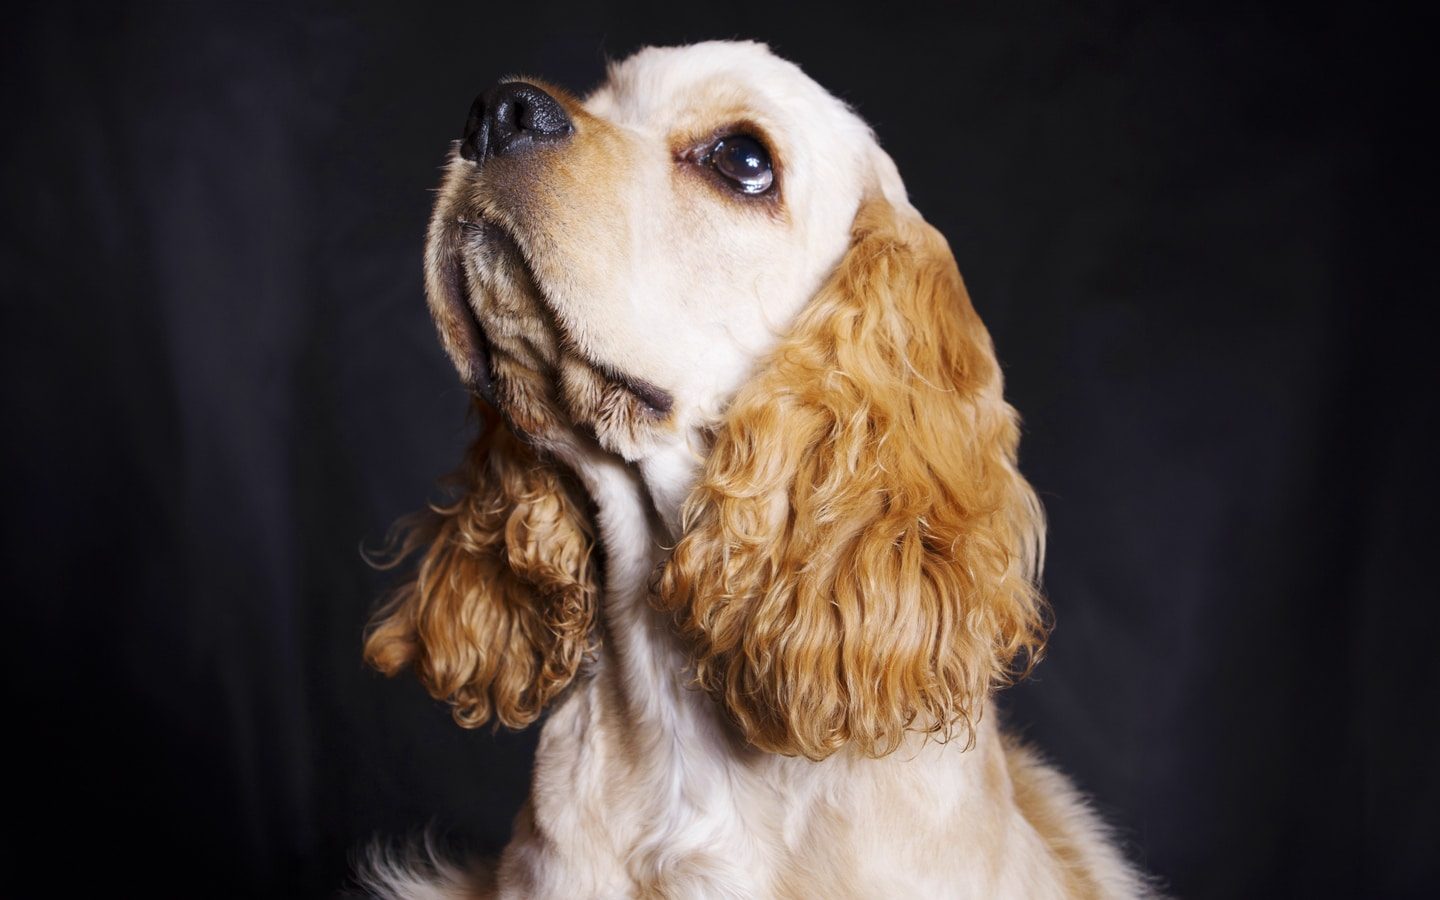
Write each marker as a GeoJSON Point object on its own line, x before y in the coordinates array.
{"type": "Point", "coordinates": [497, 618]}
{"type": "Point", "coordinates": [860, 555]}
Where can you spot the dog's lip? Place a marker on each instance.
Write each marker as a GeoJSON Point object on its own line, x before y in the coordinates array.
{"type": "Point", "coordinates": [654, 400]}
{"type": "Point", "coordinates": [482, 379]}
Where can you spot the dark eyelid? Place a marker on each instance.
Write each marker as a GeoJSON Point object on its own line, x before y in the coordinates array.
{"type": "Point", "coordinates": [739, 135]}
{"type": "Point", "coordinates": [700, 144]}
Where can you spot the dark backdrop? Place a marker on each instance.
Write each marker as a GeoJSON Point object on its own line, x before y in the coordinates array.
{"type": "Point", "coordinates": [1185, 229]}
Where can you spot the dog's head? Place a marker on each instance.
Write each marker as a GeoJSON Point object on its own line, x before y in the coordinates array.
{"type": "Point", "coordinates": [708, 268]}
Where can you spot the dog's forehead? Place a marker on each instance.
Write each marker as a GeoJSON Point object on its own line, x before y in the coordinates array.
{"type": "Point", "coordinates": [659, 85]}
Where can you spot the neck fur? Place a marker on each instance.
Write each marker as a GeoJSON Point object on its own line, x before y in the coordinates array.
{"type": "Point", "coordinates": [638, 521]}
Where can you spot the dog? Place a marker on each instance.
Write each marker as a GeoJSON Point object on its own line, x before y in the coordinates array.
{"type": "Point", "coordinates": [744, 518]}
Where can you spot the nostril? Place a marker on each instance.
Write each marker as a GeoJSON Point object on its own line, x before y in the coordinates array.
{"type": "Point", "coordinates": [538, 113]}
{"type": "Point", "coordinates": [512, 117]}
{"type": "Point", "coordinates": [474, 138]}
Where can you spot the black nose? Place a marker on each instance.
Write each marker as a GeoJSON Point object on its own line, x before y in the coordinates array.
{"type": "Point", "coordinates": [512, 118]}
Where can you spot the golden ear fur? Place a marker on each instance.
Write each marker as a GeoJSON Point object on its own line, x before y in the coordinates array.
{"type": "Point", "coordinates": [498, 615]}
{"type": "Point", "coordinates": [860, 554]}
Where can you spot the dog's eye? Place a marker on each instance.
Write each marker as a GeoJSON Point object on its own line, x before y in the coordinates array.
{"type": "Point", "coordinates": [744, 161]}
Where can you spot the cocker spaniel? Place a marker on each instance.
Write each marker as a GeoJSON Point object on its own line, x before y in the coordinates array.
{"type": "Point", "coordinates": [744, 514]}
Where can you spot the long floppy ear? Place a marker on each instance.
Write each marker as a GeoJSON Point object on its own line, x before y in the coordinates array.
{"type": "Point", "coordinates": [860, 556]}
{"type": "Point", "coordinates": [497, 618]}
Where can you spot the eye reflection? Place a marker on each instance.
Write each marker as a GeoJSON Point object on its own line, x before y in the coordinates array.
{"type": "Point", "coordinates": [744, 162]}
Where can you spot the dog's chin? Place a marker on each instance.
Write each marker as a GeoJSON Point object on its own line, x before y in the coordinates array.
{"type": "Point", "coordinates": [579, 394]}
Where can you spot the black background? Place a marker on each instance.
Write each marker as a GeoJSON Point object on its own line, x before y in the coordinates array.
{"type": "Point", "coordinates": [1187, 230]}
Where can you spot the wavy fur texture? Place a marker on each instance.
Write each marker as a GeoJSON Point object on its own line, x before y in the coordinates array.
{"type": "Point", "coordinates": [498, 615]}
{"type": "Point", "coordinates": [419, 870]}
{"type": "Point", "coordinates": [860, 554]}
